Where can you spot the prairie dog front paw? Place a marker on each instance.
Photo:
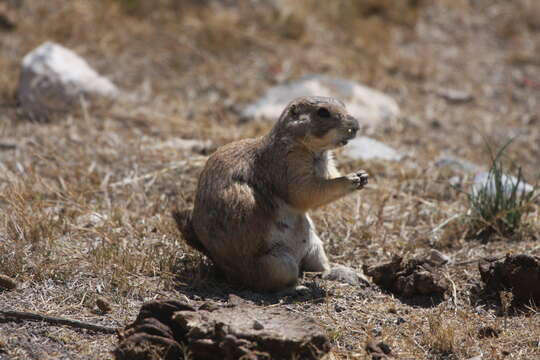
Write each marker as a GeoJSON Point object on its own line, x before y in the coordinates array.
{"type": "Point", "coordinates": [358, 179]}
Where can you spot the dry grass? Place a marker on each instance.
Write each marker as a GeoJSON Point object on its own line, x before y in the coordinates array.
{"type": "Point", "coordinates": [85, 198]}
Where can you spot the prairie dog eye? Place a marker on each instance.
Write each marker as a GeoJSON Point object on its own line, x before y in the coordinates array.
{"type": "Point", "coordinates": [323, 112]}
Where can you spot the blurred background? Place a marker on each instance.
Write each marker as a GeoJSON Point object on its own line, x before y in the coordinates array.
{"type": "Point", "coordinates": [453, 66]}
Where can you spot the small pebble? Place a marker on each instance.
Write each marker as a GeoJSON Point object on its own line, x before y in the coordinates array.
{"type": "Point", "coordinates": [7, 283]}
{"type": "Point", "coordinates": [488, 332]}
{"type": "Point", "coordinates": [257, 325]}
{"type": "Point", "coordinates": [103, 305]}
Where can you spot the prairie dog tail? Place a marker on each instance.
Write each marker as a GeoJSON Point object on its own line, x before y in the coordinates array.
{"type": "Point", "coordinates": [183, 221]}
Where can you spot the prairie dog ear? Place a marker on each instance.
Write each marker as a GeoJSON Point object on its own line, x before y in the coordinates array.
{"type": "Point", "coordinates": [293, 111]}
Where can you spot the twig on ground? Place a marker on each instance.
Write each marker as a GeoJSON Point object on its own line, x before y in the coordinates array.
{"type": "Point", "coordinates": [454, 290]}
{"type": "Point", "coordinates": [23, 315]}
{"type": "Point", "coordinates": [468, 262]}
{"type": "Point", "coordinates": [446, 222]}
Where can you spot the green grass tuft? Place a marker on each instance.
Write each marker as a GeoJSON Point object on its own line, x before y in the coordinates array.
{"type": "Point", "coordinates": [499, 206]}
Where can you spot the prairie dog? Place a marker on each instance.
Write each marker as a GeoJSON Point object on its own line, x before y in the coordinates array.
{"type": "Point", "coordinates": [250, 213]}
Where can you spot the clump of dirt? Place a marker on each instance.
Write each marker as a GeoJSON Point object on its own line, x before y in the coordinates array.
{"type": "Point", "coordinates": [212, 331]}
{"type": "Point", "coordinates": [153, 333]}
{"type": "Point", "coordinates": [519, 274]}
{"type": "Point", "coordinates": [379, 351]}
{"type": "Point", "coordinates": [417, 277]}
{"type": "Point", "coordinates": [7, 283]}
{"type": "Point", "coordinates": [488, 332]}
{"type": "Point", "coordinates": [103, 305]}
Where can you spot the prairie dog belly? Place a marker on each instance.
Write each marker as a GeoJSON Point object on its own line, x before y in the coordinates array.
{"type": "Point", "coordinates": [292, 230]}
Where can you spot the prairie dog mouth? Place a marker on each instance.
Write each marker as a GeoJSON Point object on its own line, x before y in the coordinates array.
{"type": "Point", "coordinates": [351, 134]}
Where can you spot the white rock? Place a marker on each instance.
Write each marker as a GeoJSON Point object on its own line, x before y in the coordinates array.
{"type": "Point", "coordinates": [369, 106]}
{"type": "Point", "coordinates": [455, 96]}
{"type": "Point", "coordinates": [53, 78]}
{"type": "Point", "coordinates": [366, 148]}
{"type": "Point", "coordinates": [455, 181]}
{"type": "Point", "coordinates": [485, 180]}
{"type": "Point", "coordinates": [91, 219]}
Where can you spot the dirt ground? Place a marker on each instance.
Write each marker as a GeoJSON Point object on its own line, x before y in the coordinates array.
{"type": "Point", "coordinates": [85, 198]}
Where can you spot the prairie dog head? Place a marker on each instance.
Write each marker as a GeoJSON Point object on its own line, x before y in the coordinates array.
{"type": "Point", "coordinates": [318, 123]}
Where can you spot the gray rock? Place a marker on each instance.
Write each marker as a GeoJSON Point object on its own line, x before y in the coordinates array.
{"type": "Point", "coordinates": [437, 258]}
{"type": "Point", "coordinates": [456, 170]}
{"type": "Point", "coordinates": [247, 331]}
{"type": "Point", "coordinates": [369, 106]}
{"type": "Point", "coordinates": [485, 180]}
{"type": "Point", "coordinates": [455, 96]}
{"type": "Point", "coordinates": [366, 148]}
{"type": "Point", "coordinates": [91, 219]}
{"type": "Point", "coordinates": [455, 164]}
{"type": "Point", "coordinates": [345, 274]}
{"type": "Point", "coordinates": [54, 78]}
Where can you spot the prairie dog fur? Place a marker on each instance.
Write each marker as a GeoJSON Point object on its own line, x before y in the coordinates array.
{"type": "Point", "coordinates": [250, 213]}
